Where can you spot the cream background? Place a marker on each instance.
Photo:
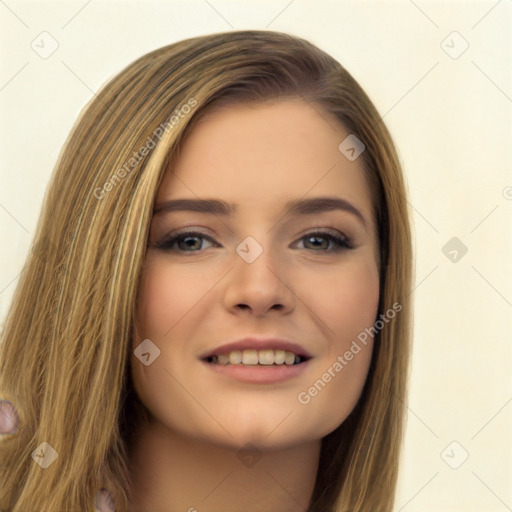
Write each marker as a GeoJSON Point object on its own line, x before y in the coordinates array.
{"type": "Point", "coordinates": [451, 119]}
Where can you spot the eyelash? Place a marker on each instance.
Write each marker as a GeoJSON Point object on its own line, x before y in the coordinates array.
{"type": "Point", "coordinates": [342, 242]}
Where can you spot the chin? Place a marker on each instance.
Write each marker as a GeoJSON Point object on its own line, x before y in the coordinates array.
{"type": "Point", "coordinates": [249, 439]}
{"type": "Point", "coordinates": [267, 435]}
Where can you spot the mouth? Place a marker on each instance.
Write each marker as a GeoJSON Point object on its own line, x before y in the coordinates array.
{"type": "Point", "coordinates": [250, 366]}
{"type": "Point", "coordinates": [256, 360]}
{"type": "Point", "coordinates": [253, 357]}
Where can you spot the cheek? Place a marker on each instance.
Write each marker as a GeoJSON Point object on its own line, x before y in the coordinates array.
{"type": "Point", "coordinates": [347, 301]}
{"type": "Point", "coordinates": [165, 310]}
{"type": "Point", "coordinates": [348, 306]}
{"type": "Point", "coordinates": [165, 297]}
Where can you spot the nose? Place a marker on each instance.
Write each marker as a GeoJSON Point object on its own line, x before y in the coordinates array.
{"type": "Point", "coordinates": [259, 286]}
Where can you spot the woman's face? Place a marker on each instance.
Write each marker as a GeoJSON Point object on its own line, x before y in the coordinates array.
{"type": "Point", "coordinates": [261, 270]}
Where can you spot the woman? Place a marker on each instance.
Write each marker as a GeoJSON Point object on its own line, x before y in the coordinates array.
{"type": "Point", "coordinates": [253, 372]}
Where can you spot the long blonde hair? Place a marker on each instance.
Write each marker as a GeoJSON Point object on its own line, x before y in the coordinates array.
{"type": "Point", "coordinates": [66, 345]}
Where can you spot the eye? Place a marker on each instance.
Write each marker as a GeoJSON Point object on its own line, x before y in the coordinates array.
{"type": "Point", "coordinates": [340, 242]}
{"type": "Point", "coordinates": [185, 240]}
{"type": "Point", "coordinates": [190, 241]}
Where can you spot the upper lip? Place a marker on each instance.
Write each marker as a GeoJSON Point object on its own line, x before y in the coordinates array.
{"type": "Point", "coordinates": [258, 343]}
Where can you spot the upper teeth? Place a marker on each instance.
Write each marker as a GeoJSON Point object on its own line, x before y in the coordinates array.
{"type": "Point", "coordinates": [252, 357]}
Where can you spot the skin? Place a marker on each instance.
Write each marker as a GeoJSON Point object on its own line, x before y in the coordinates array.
{"type": "Point", "coordinates": [202, 294]}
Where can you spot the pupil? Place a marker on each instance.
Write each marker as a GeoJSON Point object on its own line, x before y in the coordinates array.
{"type": "Point", "coordinates": [188, 239]}
{"type": "Point", "coordinates": [316, 238]}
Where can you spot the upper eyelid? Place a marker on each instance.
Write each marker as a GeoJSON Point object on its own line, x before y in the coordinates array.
{"type": "Point", "coordinates": [198, 231]}
{"type": "Point", "coordinates": [344, 224]}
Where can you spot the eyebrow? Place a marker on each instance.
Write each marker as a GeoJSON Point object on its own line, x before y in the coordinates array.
{"type": "Point", "coordinates": [295, 207]}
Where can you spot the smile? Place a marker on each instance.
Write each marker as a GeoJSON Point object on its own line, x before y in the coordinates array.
{"type": "Point", "coordinates": [252, 366]}
{"type": "Point", "coordinates": [252, 357]}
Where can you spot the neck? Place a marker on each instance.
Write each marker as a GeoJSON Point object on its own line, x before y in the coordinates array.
{"type": "Point", "coordinates": [173, 473]}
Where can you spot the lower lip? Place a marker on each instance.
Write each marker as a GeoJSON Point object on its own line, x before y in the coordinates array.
{"type": "Point", "coordinates": [260, 374]}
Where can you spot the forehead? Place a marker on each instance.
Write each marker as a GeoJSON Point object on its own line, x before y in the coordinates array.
{"type": "Point", "coordinates": [264, 155]}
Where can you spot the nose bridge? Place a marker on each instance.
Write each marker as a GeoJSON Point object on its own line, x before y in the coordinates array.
{"type": "Point", "coordinates": [258, 279]}
{"type": "Point", "coordinates": [258, 258]}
